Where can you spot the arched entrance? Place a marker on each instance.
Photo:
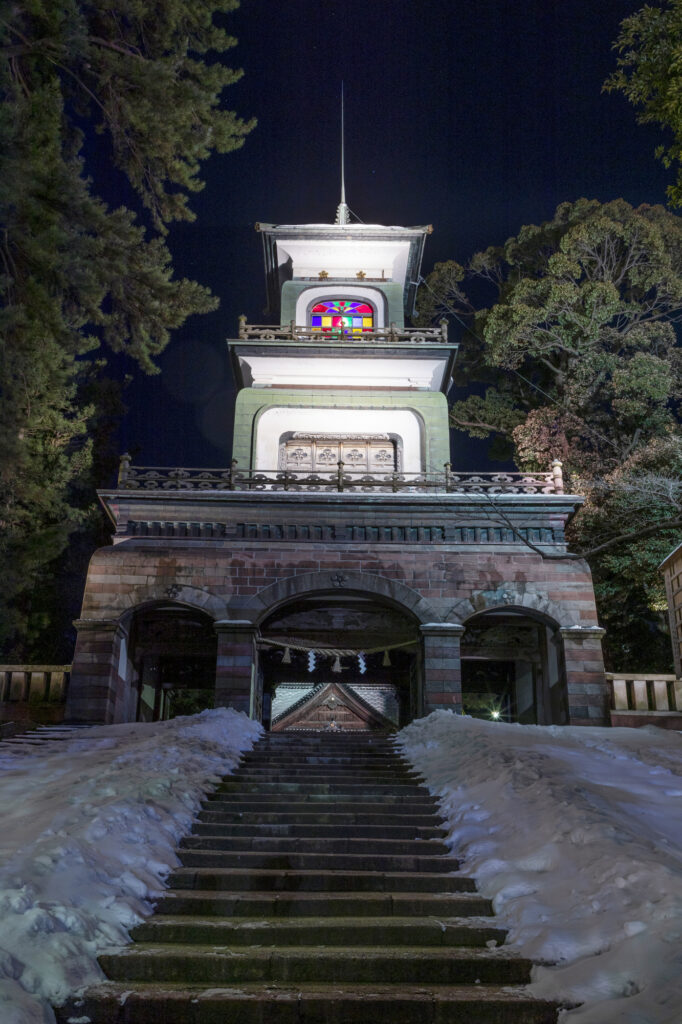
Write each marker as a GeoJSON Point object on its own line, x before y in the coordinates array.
{"type": "Point", "coordinates": [513, 668]}
{"type": "Point", "coordinates": [173, 655]}
{"type": "Point", "coordinates": [343, 661]}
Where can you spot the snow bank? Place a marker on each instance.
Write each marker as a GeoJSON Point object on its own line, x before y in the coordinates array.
{"type": "Point", "coordinates": [576, 834]}
{"type": "Point", "coordinates": [89, 826]}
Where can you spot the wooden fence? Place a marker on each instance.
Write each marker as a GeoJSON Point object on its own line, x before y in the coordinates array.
{"type": "Point", "coordinates": [642, 694]}
{"type": "Point", "coordinates": [33, 692]}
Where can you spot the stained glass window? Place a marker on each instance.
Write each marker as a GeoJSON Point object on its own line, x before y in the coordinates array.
{"type": "Point", "coordinates": [342, 315]}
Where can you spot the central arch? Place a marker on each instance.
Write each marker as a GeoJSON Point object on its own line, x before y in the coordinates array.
{"type": "Point", "coordinates": [349, 636]}
{"type": "Point", "coordinates": [393, 592]}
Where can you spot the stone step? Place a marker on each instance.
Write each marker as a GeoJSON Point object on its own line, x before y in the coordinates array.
{"type": "Point", "coordinates": [369, 765]}
{"type": "Point", "coordinates": [318, 820]}
{"type": "Point", "coordinates": [248, 879]}
{"type": "Point", "coordinates": [331, 905]}
{"type": "Point", "coordinates": [326, 760]}
{"type": "Point", "coordinates": [215, 965]}
{"type": "Point", "coordinates": [383, 777]}
{"type": "Point", "coordinates": [348, 788]}
{"type": "Point", "coordinates": [112, 1003]}
{"type": "Point", "coordinates": [294, 861]}
{"type": "Point", "coordinates": [322, 803]}
{"type": "Point", "coordinates": [296, 829]}
{"type": "Point", "coordinates": [319, 932]}
{"type": "Point", "coordinates": [325, 846]}
{"type": "Point", "coordinates": [326, 740]}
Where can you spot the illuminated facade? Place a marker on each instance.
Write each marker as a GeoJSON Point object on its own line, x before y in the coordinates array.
{"type": "Point", "coordinates": [341, 569]}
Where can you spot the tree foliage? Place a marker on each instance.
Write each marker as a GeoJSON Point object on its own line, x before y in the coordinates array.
{"type": "Point", "coordinates": [578, 346]}
{"type": "Point", "coordinates": [75, 274]}
{"type": "Point", "coordinates": [576, 355]}
{"type": "Point", "coordinates": [649, 74]}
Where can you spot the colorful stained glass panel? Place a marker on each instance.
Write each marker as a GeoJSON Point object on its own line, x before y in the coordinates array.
{"type": "Point", "coordinates": [342, 315]}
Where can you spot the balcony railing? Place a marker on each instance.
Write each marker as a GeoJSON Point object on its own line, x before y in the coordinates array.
{"type": "Point", "coordinates": [152, 478]}
{"type": "Point", "coordinates": [382, 335]}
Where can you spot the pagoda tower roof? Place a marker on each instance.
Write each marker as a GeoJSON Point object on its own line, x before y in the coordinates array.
{"type": "Point", "coordinates": [342, 252]}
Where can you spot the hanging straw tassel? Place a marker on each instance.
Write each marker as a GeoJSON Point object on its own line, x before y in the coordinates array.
{"type": "Point", "coordinates": [286, 659]}
{"type": "Point", "coordinates": [386, 663]}
{"type": "Point", "coordinates": [336, 667]}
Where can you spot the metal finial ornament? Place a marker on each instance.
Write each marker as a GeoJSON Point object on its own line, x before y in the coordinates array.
{"type": "Point", "coordinates": [342, 211]}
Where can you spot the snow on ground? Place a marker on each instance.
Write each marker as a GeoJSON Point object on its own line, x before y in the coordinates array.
{"type": "Point", "coordinates": [576, 834]}
{"type": "Point", "coordinates": [87, 832]}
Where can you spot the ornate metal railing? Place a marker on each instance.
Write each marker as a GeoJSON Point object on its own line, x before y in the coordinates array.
{"type": "Point", "coordinates": [382, 335]}
{"type": "Point", "coordinates": [154, 478]}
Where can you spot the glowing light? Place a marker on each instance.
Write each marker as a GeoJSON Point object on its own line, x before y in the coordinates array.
{"type": "Point", "coordinates": [495, 714]}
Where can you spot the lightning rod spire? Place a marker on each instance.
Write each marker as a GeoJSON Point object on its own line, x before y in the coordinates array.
{"type": "Point", "coordinates": [342, 211]}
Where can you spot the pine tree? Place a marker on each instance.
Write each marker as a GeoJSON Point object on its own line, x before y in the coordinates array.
{"type": "Point", "coordinates": [74, 274]}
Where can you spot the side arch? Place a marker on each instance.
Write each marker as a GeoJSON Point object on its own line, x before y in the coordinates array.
{"type": "Point", "coordinates": [510, 597]}
{"type": "Point", "coordinates": [175, 593]}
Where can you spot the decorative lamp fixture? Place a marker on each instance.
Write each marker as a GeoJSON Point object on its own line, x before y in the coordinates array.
{"type": "Point", "coordinates": [286, 659]}
{"type": "Point", "coordinates": [336, 667]}
{"type": "Point", "coordinates": [386, 663]}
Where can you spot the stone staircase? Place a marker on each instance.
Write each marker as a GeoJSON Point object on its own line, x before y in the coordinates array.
{"type": "Point", "coordinates": [316, 889]}
{"type": "Point", "coordinates": [41, 738]}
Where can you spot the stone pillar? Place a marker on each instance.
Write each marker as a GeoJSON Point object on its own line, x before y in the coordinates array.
{"type": "Point", "coordinates": [586, 686]}
{"type": "Point", "coordinates": [96, 685]}
{"type": "Point", "coordinates": [442, 666]}
{"type": "Point", "coordinates": [235, 664]}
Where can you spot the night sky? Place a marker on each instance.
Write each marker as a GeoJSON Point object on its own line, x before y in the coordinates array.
{"type": "Point", "coordinates": [476, 116]}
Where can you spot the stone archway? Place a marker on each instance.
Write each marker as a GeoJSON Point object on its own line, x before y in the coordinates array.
{"type": "Point", "coordinates": [171, 593]}
{"type": "Point", "coordinates": [392, 592]}
{"type": "Point", "coordinates": [509, 595]}
{"type": "Point", "coordinates": [172, 661]}
{"type": "Point", "coordinates": [513, 666]}
{"type": "Point", "coordinates": [107, 673]}
{"type": "Point", "coordinates": [294, 656]}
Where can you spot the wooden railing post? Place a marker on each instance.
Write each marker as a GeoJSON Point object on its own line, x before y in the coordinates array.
{"type": "Point", "coordinates": [233, 468]}
{"type": "Point", "coordinates": [339, 475]}
{"type": "Point", "coordinates": [448, 468]}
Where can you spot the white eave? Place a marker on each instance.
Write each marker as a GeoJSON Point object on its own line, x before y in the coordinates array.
{"type": "Point", "coordinates": [301, 251]}
{"type": "Point", "coordinates": [424, 374]}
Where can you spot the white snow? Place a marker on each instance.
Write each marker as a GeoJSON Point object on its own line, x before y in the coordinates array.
{"type": "Point", "coordinates": [576, 834]}
{"type": "Point", "coordinates": [88, 830]}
